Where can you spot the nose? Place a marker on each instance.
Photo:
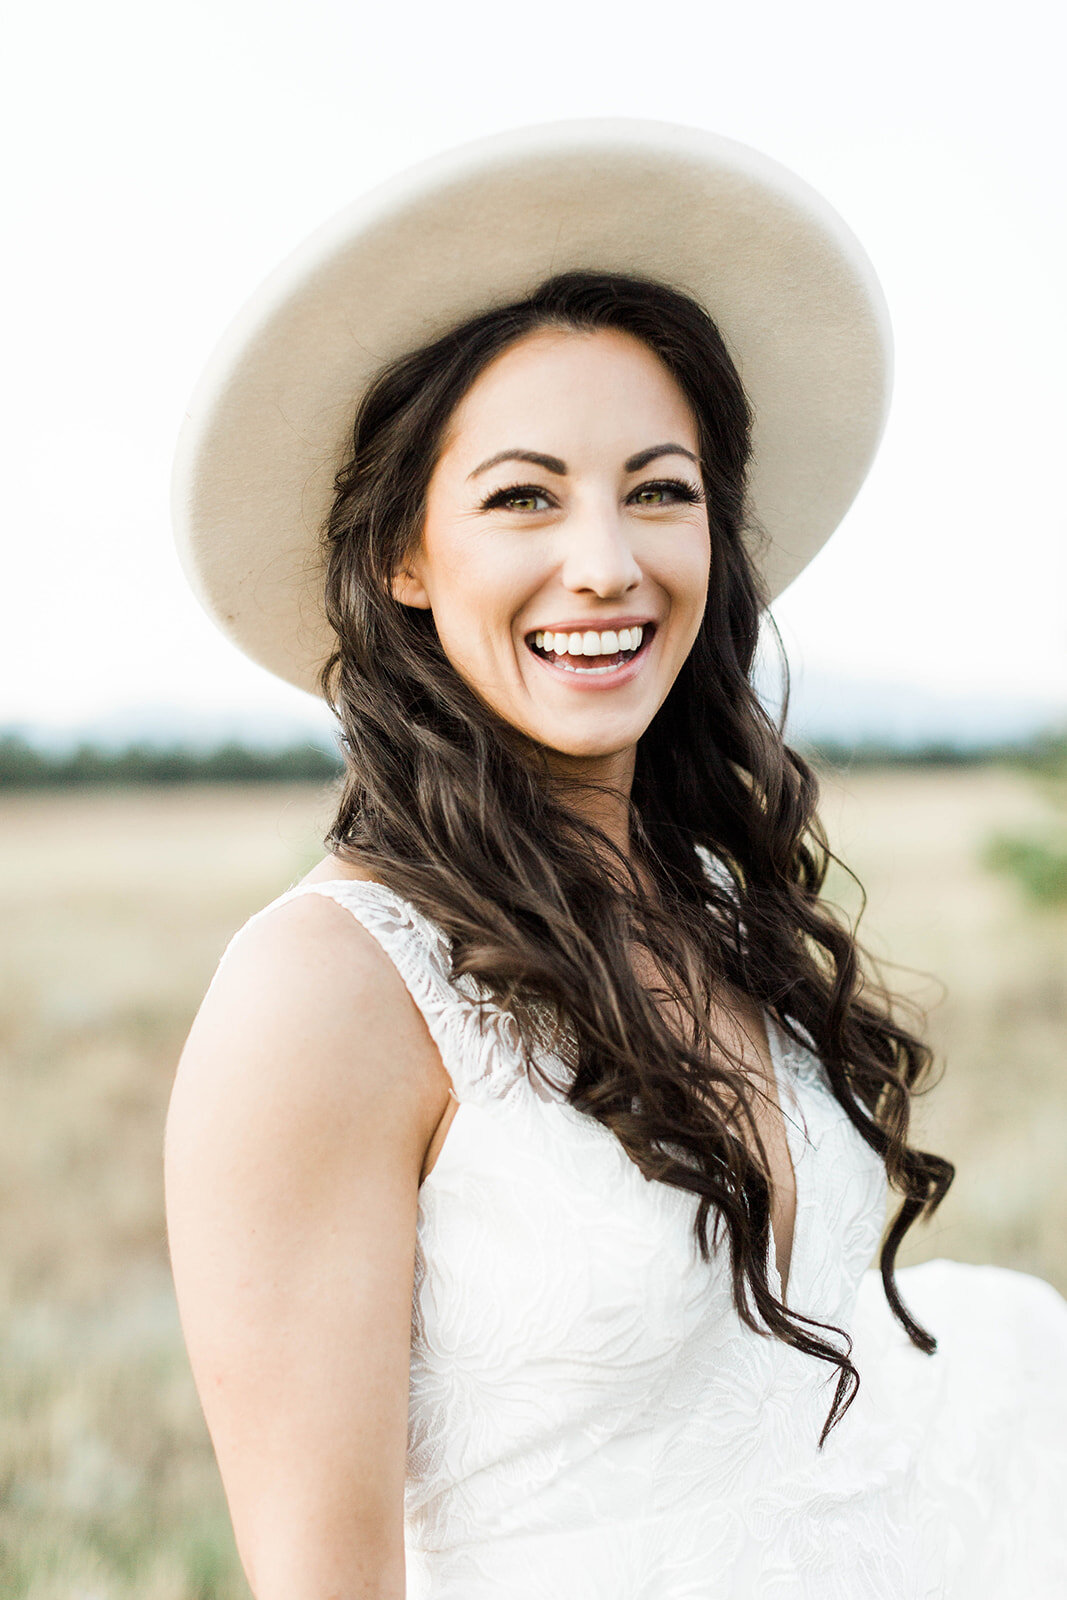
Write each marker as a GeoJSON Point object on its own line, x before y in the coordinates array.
{"type": "Point", "coordinates": [598, 554]}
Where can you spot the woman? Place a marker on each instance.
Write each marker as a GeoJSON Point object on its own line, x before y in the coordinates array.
{"type": "Point", "coordinates": [526, 1161]}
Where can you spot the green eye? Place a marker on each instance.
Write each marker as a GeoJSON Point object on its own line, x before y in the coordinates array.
{"type": "Point", "coordinates": [665, 492]}
{"type": "Point", "coordinates": [520, 497]}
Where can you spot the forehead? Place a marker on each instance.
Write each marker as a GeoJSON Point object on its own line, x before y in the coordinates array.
{"type": "Point", "coordinates": [563, 391]}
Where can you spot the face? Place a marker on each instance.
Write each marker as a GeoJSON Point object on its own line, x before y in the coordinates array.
{"type": "Point", "coordinates": [565, 552]}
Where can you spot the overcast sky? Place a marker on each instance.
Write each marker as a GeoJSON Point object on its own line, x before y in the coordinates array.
{"type": "Point", "coordinates": [165, 158]}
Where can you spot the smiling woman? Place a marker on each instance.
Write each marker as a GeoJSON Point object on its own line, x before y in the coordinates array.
{"type": "Point", "coordinates": [613, 1332]}
{"type": "Point", "coordinates": [594, 546]}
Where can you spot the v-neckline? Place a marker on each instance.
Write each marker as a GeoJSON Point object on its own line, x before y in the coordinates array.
{"type": "Point", "coordinates": [784, 1093]}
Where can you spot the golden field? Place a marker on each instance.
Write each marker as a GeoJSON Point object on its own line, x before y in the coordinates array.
{"type": "Point", "coordinates": [116, 906]}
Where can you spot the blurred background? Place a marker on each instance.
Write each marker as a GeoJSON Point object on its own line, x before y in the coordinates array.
{"type": "Point", "coordinates": [155, 788]}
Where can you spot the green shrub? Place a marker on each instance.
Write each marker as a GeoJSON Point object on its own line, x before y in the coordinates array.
{"type": "Point", "coordinates": [1037, 863]}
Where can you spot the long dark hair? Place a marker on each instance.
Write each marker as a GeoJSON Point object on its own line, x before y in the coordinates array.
{"type": "Point", "coordinates": [441, 802]}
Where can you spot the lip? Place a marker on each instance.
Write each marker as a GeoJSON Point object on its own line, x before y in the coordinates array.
{"type": "Point", "coordinates": [592, 625]}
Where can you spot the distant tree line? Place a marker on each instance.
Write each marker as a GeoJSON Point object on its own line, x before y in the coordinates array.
{"type": "Point", "coordinates": [24, 765]}
{"type": "Point", "coordinates": [1040, 753]}
{"type": "Point", "coordinates": [27, 765]}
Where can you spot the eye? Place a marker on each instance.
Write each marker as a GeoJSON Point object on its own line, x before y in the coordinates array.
{"type": "Point", "coordinates": [524, 497]}
{"type": "Point", "coordinates": [666, 491]}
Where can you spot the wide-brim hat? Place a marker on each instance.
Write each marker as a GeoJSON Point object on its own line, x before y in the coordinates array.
{"type": "Point", "coordinates": [789, 286]}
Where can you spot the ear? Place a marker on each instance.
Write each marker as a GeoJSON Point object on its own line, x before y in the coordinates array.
{"type": "Point", "coordinates": [408, 590]}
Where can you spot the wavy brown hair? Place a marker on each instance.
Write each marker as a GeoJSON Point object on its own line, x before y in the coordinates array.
{"type": "Point", "coordinates": [445, 804]}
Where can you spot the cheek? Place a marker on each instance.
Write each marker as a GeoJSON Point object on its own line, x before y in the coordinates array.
{"type": "Point", "coordinates": [476, 591]}
{"type": "Point", "coordinates": [685, 568]}
{"type": "Point", "coordinates": [482, 583]}
{"type": "Point", "coordinates": [687, 583]}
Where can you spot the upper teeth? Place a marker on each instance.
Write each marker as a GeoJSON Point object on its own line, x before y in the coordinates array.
{"type": "Point", "coordinates": [608, 643]}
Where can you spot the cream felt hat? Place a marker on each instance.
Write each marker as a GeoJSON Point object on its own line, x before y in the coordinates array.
{"type": "Point", "coordinates": [791, 289]}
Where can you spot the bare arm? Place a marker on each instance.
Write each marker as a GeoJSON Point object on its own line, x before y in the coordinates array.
{"type": "Point", "coordinates": [304, 1102]}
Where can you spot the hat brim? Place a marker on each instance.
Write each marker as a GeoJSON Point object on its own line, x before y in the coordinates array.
{"type": "Point", "coordinates": [789, 286]}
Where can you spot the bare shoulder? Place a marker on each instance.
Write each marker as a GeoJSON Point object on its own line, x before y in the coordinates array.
{"type": "Point", "coordinates": [308, 1029]}
{"type": "Point", "coordinates": [307, 965]}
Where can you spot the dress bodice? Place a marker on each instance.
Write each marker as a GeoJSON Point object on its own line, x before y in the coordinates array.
{"type": "Point", "coordinates": [581, 1387]}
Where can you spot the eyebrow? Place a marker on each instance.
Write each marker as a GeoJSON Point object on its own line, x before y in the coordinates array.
{"type": "Point", "coordinates": [554, 464]}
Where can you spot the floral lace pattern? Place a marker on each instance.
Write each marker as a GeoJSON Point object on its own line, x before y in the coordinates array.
{"type": "Point", "coordinates": [590, 1420]}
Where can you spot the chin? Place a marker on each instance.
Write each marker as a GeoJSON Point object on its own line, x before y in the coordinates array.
{"type": "Point", "coordinates": [589, 749]}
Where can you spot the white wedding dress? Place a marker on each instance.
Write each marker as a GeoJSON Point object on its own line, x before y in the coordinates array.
{"type": "Point", "coordinates": [590, 1420]}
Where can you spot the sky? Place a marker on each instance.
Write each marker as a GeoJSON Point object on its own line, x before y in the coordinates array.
{"type": "Point", "coordinates": [166, 158]}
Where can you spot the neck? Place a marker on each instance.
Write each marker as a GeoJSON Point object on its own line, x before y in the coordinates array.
{"type": "Point", "coordinates": [598, 789]}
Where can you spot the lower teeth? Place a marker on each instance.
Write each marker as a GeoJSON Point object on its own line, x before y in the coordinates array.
{"type": "Point", "coordinates": [609, 666]}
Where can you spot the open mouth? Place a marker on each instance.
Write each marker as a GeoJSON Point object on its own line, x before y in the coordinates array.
{"type": "Point", "coordinates": [592, 652]}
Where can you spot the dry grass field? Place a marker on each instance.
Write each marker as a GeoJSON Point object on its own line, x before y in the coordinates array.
{"type": "Point", "coordinates": [115, 908]}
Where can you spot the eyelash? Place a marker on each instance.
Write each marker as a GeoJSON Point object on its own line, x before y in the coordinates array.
{"type": "Point", "coordinates": [684, 491]}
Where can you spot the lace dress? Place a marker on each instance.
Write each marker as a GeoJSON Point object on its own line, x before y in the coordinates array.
{"type": "Point", "coordinates": [590, 1420]}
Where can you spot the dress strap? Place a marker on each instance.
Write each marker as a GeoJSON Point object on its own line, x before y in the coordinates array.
{"type": "Point", "coordinates": [479, 1042]}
